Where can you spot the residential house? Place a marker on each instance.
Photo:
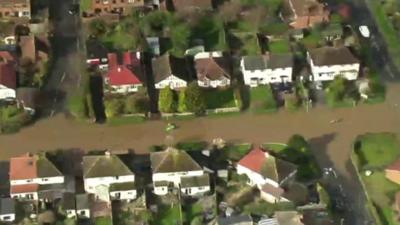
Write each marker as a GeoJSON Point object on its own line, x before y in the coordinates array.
{"type": "Point", "coordinates": [68, 205]}
{"type": "Point", "coordinates": [266, 172]}
{"type": "Point", "coordinates": [15, 8]}
{"type": "Point", "coordinates": [235, 220]}
{"type": "Point", "coordinates": [213, 69]}
{"type": "Point", "coordinates": [7, 210]}
{"type": "Point", "coordinates": [96, 53]}
{"type": "Point", "coordinates": [33, 177]}
{"type": "Point", "coordinates": [301, 14]}
{"type": "Point", "coordinates": [108, 178]}
{"type": "Point", "coordinates": [115, 6]}
{"type": "Point", "coordinates": [83, 205]}
{"type": "Point", "coordinates": [267, 69]}
{"type": "Point", "coordinates": [8, 76]}
{"type": "Point", "coordinates": [170, 71]}
{"type": "Point", "coordinates": [183, 5]}
{"type": "Point", "coordinates": [392, 172]}
{"type": "Point", "coordinates": [175, 169]}
{"type": "Point", "coordinates": [124, 75]}
{"type": "Point", "coordinates": [329, 62]}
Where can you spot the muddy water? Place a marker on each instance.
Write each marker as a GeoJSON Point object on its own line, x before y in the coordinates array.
{"type": "Point", "coordinates": [331, 142]}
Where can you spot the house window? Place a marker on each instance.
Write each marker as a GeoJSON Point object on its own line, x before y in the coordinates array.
{"type": "Point", "coordinates": [45, 179]}
{"type": "Point", "coordinates": [28, 181]}
{"type": "Point", "coordinates": [118, 195]}
{"type": "Point", "coordinates": [82, 213]}
{"type": "Point", "coordinates": [201, 188]}
{"type": "Point", "coordinates": [25, 13]}
{"type": "Point", "coordinates": [129, 193]}
{"type": "Point", "coordinates": [29, 196]}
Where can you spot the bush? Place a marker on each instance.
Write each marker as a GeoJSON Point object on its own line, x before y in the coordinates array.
{"type": "Point", "coordinates": [13, 118]}
{"type": "Point", "coordinates": [182, 101]}
{"type": "Point", "coordinates": [114, 107]}
{"type": "Point", "coordinates": [195, 99]}
{"type": "Point", "coordinates": [167, 100]}
{"type": "Point", "coordinates": [137, 103]}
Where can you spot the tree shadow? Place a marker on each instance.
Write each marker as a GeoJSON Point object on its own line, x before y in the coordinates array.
{"type": "Point", "coordinates": [4, 178]}
{"type": "Point", "coordinates": [319, 147]}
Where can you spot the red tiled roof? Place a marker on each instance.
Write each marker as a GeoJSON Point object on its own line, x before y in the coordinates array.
{"type": "Point", "coordinates": [131, 58]}
{"type": "Point", "coordinates": [254, 160]}
{"type": "Point", "coordinates": [22, 168]}
{"type": "Point", "coordinates": [394, 166]}
{"type": "Point", "coordinates": [7, 55]}
{"type": "Point", "coordinates": [8, 76]}
{"type": "Point", "coordinates": [121, 75]}
{"type": "Point", "coordinates": [25, 188]}
{"type": "Point", "coordinates": [112, 60]}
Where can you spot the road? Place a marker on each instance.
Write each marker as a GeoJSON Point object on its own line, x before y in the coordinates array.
{"type": "Point", "coordinates": [66, 70]}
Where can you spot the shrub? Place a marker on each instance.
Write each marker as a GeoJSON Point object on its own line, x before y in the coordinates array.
{"type": "Point", "coordinates": [167, 100]}
{"type": "Point", "coordinates": [137, 103]}
{"type": "Point", "coordinates": [182, 101]}
{"type": "Point", "coordinates": [114, 107]}
{"type": "Point", "coordinates": [195, 99]}
{"type": "Point", "coordinates": [13, 118]}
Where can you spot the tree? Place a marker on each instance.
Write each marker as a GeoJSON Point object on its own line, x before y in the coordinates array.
{"type": "Point", "coordinates": [229, 11]}
{"type": "Point", "coordinates": [299, 144]}
{"type": "Point", "coordinates": [114, 107]}
{"type": "Point", "coordinates": [337, 89]}
{"type": "Point", "coordinates": [179, 36]}
{"type": "Point", "coordinates": [182, 101]}
{"type": "Point", "coordinates": [167, 100]}
{"type": "Point", "coordinates": [195, 99]}
{"type": "Point", "coordinates": [137, 103]}
{"type": "Point", "coordinates": [98, 27]}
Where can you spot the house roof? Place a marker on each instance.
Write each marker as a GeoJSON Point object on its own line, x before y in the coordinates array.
{"type": "Point", "coordinates": [235, 220]}
{"type": "Point", "coordinates": [95, 49]}
{"type": "Point", "coordinates": [7, 206]}
{"type": "Point", "coordinates": [104, 166]}
{"type": "Point", "coordinates": [167, 65]}
{"type": "Point", "coordinates": [45, 168]}
{"type": "Point", "coordinates": [124, 69]}
{"type": "Point", "coordinates": [272, 190]}
{"type": "Point", "coordinates": [28, 48]}
{"type": "Point", "coordinates": [267, 165]}
{"type": "Point", "coordinates": [327, 56]}
{"type": "Point", "coordinates": [288, 218]}
{"type": "Point", "coordinates": [68, 201]}
{"type": "Point", "coordinates": [213, 68]}
{"type": "Point", "coordinates": [24, 188]}
{"type": "Point", "coordinates": [122, 186]}
{"type": "Point", "coordinates": [394, 166]}
{"type": "Point", "coordinates": [193, 4]}
{"type": "Point", "coordinates": [172, 160]}
{"type": "Point", "coordinates": [23, 167]}
{"type": "Point", "coordinates": [263, 62]}
{"type": "Point", "coordinates": [8, 75]}
{"type": "Point", "coordinates": [195, 181]}
{"type": "Point", "coordinates": [83, 201]}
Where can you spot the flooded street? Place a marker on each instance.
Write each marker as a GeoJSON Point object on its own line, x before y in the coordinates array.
{"type": "Point", "coordinates": [331, 142]}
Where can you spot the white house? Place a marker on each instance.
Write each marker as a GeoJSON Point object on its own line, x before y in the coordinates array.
{"type": "Point", "coordinates": [267, 69]}
{"type": "Point", "coordinates": [108, 178]}
{"type": "Point", "coordinates": [328, 62]}
{"type": "Point", "coordinates": [126, 76]}
{"type": "Point", "coordinates": [169, 71]}
{"type": "Point", "coordinates": [31, 175]}
{"type": "Point", "coordinates": [267, 173]}
{"type": "Point", "coordinates": [213, 69]}
{"type": "Point", "coordinates": [83, 205]}
{"type": "Point", "coordinates": [7, 210]}
{"type": "Point", "coordinates": [175, 169]}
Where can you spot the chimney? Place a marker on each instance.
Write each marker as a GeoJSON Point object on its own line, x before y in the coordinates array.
{"type": "Point", "coordinates": [107, 153]}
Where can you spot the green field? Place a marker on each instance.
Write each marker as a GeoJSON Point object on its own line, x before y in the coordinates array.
{"type": "Point", "coordinates": [220, 98]}
{"type": "Point", "coordinates": [262, 99]}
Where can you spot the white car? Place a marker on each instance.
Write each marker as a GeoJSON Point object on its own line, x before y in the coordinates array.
{"type": "Point", "coordinates": [364, 31]}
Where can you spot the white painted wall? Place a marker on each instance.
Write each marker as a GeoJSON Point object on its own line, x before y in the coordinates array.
{"type": "Point", "coordinates": [193, 191]}
{"type": "Point", "coordinates": [42, 180]}
{"type": "Point", "coordinates": [123, 89]}
{"type": "Point", "coordinates": [7, 217]}
{"type": "Point", "coordinates": [124, 195]}
{"type": "Point", "coordinates": [71, 213]}
{"type": "Point", "coordinates": [176, 177]}
{"type": "Point", "coordinates": [91, 183]}
{"type": "Point", "coordinates": [26, 196]}
{"type": "Point", "coordinates": [7, 93]}
{"type": "Point", "coordinates": [161, 190]}
{"type": "Point", "coordinates": [206, 55]}
{"type": "Point", "coordinates": [172, 81]}
{"type": "Point", "coordinates": [214, 83]}
{"type": "Point", "coordinates": [253, 78]}
{"type": "Point", "coordinates": [328, 73]}
{"type": "Point", "coordinates": [83, 213]}
{"type": "Point", "coordinates": [255, 179]}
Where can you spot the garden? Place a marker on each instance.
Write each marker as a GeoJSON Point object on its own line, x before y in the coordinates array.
{"type": "Point", "coordinates": [374, 152]}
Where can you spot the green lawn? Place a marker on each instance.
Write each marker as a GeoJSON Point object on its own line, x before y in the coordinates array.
{"type": "Point", "coordinates": [220, 98]}
{"type": "Point", "coordinates": [86, 5]}
{"type": "Point", "coordinates": [124, 120]}
{"type": "Point", "coordinates": [281, 46]}
{"type": "Point", "coordinates": [262, 99]}
{"type": "Point", "coordinates": [103, 221]}
{"type": "Point", "coordinates": [377, 150]}
{"type": "Point", "coordinates": [261, 207]}
{"type": "Point", "coordinates": [236, 152]}
{"type": "Point", "coordinates": [192, 211]}
{"type": "Point", "coordinates": [168, 215]}
{"type": "Point", "coordinates": [192, 145]}
{"type": "Point", "coordinates": [274, 147]}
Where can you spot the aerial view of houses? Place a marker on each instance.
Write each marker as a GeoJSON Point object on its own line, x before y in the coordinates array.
{"type": "Point", "coordinates": [199, 112]}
